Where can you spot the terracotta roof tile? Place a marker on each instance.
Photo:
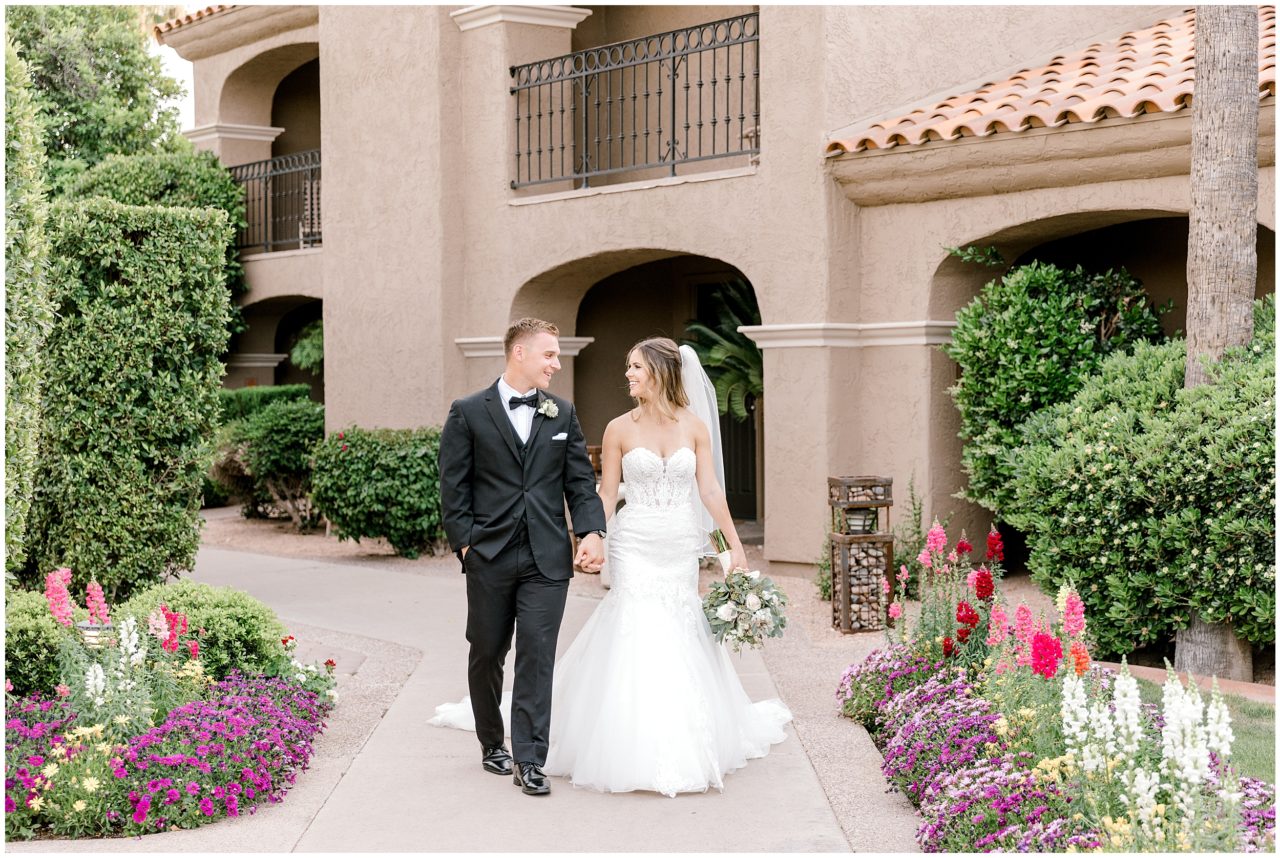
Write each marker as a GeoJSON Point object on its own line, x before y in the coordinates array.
{"type": "Point", "coordinates": [191, 17]}
{"type": "Point", "coordinates": [1146, 71]}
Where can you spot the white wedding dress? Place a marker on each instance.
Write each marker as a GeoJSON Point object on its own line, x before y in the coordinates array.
{"type": "Point", "coordinates": [644, 698]}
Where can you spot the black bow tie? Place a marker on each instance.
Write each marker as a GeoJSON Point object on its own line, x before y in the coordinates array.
{"type": "Point", "coordinates": [516, 401]}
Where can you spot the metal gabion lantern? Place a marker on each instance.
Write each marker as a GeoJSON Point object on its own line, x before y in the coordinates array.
{"type": "Point", "coordinates": [861, 551]}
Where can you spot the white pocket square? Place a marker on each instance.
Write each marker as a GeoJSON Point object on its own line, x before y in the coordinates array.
{"type": "Point", "coordinates": [563, 436]}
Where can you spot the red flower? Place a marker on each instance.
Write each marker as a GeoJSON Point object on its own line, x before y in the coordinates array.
{"type": "Point", "coordinates": [966, 615]}
{"type": "Point", "coordinates": [344, 447]}
{"type": "Point", "coordinates": [948, 646]}
{"type": "Point", "coordinates": [963, 546]}
{"type": "Point", "coordinates": [286, 640]}
{"type": "Point", "coordinates": [984, 586]}
{"type": "Point", "coordinates": [962, 634]}
{"type": "Point", "coordinates": [995, 546]}
{"type": "Point", "coordinates": [1080, 655]}
{"type": "Point", "coordinates": [341, 436]}
{"type": "Point", "coordinates": [1046, 653]}
{"type": "Point", "coordinates": [194, 648]}
{"type": "Point", "coordinates": [330, 663]}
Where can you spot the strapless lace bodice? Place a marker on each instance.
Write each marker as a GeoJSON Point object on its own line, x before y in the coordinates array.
{"type": "Point", "coordinates": [653, 481]}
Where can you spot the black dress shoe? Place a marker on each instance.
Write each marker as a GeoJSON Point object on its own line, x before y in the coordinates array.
{"type": "Point", "coordinates": [531, 780]}
{"type": "Point", "coordinates": [497, 760]}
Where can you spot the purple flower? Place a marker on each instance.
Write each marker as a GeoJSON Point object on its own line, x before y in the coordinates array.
{"type": "Point", "coordinates": [206, 806]}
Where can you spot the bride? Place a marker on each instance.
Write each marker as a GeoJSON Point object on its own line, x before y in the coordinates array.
{"type": "Point", "coordinates": [644, 698]}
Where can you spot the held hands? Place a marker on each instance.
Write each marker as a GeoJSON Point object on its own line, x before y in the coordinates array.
{"type": "Point", "coordinates": [738, 560]}
{"type": "Point", "coordinates": [590, 556]}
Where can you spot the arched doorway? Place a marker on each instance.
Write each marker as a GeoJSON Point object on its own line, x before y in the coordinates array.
{"type": "Point", "coordinates": [660, 298]}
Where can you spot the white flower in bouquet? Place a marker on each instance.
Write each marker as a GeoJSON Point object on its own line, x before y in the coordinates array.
{"type": "Point", "coordinates": [764, 617]}
{"type": "Point", "coordinates": [727, 612]}
{"type": "Point", "coordinates": [753, 602]}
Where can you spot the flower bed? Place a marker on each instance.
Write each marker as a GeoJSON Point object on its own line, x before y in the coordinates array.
{"type": "Point", "coordinates": [136, 739]}
{"type": "Point", "coordinates": [996, 725]}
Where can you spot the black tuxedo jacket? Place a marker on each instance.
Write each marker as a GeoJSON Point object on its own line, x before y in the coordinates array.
{"type": "Point", "coordinates": [488, 482]}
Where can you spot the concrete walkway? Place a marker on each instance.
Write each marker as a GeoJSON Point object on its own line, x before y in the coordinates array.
{"type": "Point", "coordinates": [382, 781]}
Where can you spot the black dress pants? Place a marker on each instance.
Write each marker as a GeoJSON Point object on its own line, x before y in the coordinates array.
{"type": "Point", "coordinates": [504, 594]}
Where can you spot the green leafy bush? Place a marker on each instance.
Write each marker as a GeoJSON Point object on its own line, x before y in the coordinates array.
{"type": "Point", "coordinates": [28, 305]}
{"type": "Point", "coordinates": [235, 630]}
{"type": "Point", "coordinates": [183, 179]}
{"type": "Point", "coordinates": [308, 351]}
{"type": "Point", "coordinates": [31, 641]}
{"type": "Point", "coordinates": [1029, 341]}
{"type": "Point", "coordinates": [246, 401]}
{"type": "Point", "coordinates": [279, 441]}
{"type": "Point", "coordinates": [382, 483]}
{"type": "Point", "coordinates": [1158, 502]}
{"type": "Point", "coordinates": [129, 402]}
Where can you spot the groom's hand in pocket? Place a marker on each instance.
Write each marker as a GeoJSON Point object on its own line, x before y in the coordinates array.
{"type": "Point", "coordinates": [590, 556]}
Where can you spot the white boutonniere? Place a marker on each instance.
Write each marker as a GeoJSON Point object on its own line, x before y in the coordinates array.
{"type": "Point", "coordinates": [549, 409]}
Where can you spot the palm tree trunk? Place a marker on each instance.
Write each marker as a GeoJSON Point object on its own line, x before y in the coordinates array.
{"type": "Point", "coordinates": [1222, 261]}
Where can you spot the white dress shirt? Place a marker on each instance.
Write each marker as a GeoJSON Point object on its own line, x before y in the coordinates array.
{"type": "Point", "coordinates": [521, 418]}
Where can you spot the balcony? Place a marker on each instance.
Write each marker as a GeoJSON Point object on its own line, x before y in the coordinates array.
{"type": "Point", "coordinates": [282, 203]}
{"type": "Point", "coordinates": [640, 109]}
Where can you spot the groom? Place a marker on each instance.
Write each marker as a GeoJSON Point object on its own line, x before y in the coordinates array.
{"type": "Point", "coordinates": [510, 455]}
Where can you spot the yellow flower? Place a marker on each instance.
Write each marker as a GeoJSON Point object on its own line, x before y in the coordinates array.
{"type": "Point", "coordinates": [49, 770]}
{"type": "Point", "coordinates": [79, 805]}
{"type": "Point", "coordinates": [1027, 712]}
{"type": "Point", "coordinates": [36, 803]}
{"type": "Point", "coordinates": [122, 719]}
{"type": "Point", "coordinates": [1002, 726]}
{"type": "Point", "coordinates": [90, 784]}
{"type": "Point", "coordinates": [60, 751]}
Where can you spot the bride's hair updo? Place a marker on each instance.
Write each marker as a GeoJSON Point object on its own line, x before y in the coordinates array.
{"type": "Point", "coordinates": [661, 356]}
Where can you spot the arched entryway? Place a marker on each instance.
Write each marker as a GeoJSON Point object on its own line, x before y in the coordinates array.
{"type": "Point", "coordinates": [661, 298]}
{"type": "Point", "coordinates": [260, 354]}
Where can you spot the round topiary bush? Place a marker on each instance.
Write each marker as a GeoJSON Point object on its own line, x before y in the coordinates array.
{"type": "Point", "coordinates": [1156, 502]}
{"type": "Point", "coordinates": [31, 636]}
{"type": "Point", "coordinates": [277, 447]}
{"type": "Point", "coordinates": [382, 483]}
{"type": "Point", "coordinates": [235, 630]}
{"type": "Point", "coordinates": [1029, 340]}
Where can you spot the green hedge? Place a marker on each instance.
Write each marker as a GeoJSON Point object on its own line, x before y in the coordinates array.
{"type": "Point", "coordinates": [183, 179]}
{"type": "Point", "coordinates": [28, 305]}
{"type": "Point", "coordinates": [277, 446]}
{"type": "Point", "coordinates": [1157, 502]}
{"type": "Point", "coordinates": [31, 636]}
{"type": "Point", "coordinates": [1028, 341]}
{"type": "Point", "coordinates": [235, 630]}
{"type": "Point", "coordinates": [245, 401]}
{"type": "Point", "coordinates": [382, 483]}
{"type": "Point", "coordinates": [130, 401]}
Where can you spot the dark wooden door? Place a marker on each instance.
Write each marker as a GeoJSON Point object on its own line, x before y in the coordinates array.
{"type": "Point", "coordinates": [739, 441]}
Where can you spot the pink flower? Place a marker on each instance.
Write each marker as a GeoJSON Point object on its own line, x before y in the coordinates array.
{"type": "Point", "coordinates": [206, 806]}
{"type": "Point", "coordinates": [8, 686]}
{"type": "Point", "coordinates": [924, 559]}
{"type": "Point", "coordinates": [936, 540]}
{"type": "Point", "coordinates": [895, 610]}
{"type": "Point", "coordinates": [953, 557]}
{"type": "Point", "coordinates": [999, 622]}
{"type": "Point", "coordinates": [157, 625]}
{"type": "Point", "coordinates": [193, 647]}
{"type": "Point", "coordinates": [62, 690]}
{"type": "Point", "coordinates": [971, 578]}
{"type": "Point", "coordinates": [884, 585]}
{"type": "Point", "coordinates": [1023, 625]}
{"type": "Point", "coordinates": [1002, 667]}
{"type": "Point", "coordinates": [97, 604]}
{"type": "Point", "coordinates": [1073, 615]}
{"type": "Point", "coordinates": [1046, 653]}
{"type": "Point", "coordinates": [57, 594]}
{"type": "Point", "coordinates": [903, 574]}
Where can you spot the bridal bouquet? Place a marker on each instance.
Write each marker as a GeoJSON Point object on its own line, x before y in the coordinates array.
{"type": "Point", "coordinates": [744, 609]}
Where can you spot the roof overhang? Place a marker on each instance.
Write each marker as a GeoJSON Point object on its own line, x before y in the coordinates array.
{"type": "Point", "coordinates": [233, 27]}
{"type": "Point", "coordinates": [1145, 147]}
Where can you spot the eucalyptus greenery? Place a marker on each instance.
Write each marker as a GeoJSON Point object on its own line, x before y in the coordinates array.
{"type": "Point", "coordinates": [1156, 501]}
{"type": "Point", "coordinates": [732, 361]}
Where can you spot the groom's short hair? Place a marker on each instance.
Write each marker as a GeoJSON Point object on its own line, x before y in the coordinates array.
{"type": "Point", "coordinates": [523, 329]}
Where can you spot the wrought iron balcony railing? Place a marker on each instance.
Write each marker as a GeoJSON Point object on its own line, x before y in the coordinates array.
{"type": "Point", "coordinates": [676, 98]}
{"type": "Point", "coordinates": [282, 202]}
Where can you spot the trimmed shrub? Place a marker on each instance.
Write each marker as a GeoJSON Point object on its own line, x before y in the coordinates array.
{"type": "Point", "coordinates": [130, 401]}
{"type": "Point", "coordinates": [185, 179]}
{"type": "Point", "coordinates": [31, 637]}
{"type": "Point", "coordinates": [28, 306]}
{"type": "Point", "coordinates": [1158, 502]}
{"type": "Point", "coordinates": [278, 442]}
{"type": "Point", "coordinates": [382, 483]}
{"type": "Point", "coordinates": [235, 630]}
{"type": "Point", "coordinates": [1029, 341]}
{"type": "Point", "coordinates": [247, 401]}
